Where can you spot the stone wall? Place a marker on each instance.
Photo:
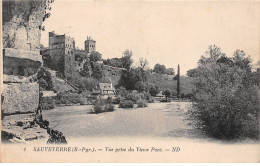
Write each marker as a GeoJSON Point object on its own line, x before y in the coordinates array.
{"type": "Point", "coordinates": [20, 98]}
{"type": "Point", "coordinates": [62, 52]}
{"type": "Point", "coordinates": [114, 73]}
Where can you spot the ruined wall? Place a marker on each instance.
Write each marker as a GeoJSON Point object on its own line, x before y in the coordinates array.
{"type": "Point", "coordinates": [57, 51]}
{"type": "Point", "coordinates": [114, 73]}
{"type": "Point", "coordinates": [21, 54]}
{"type": "Point", "coordinates": [70, 64]}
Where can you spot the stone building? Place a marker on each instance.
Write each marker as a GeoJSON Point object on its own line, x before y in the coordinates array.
{"type": "Point", "coordinates": [61, 50]}
{"type": "Point", "coordinates": [90, 45]}
{"type": "Point", "coordinates": [104, 90]}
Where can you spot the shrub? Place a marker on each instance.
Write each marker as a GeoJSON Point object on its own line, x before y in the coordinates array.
{"type": "Point", "coordinates": [141, 103]}
{"type": "Point", "coordinates": [122, 92]}
{"type": "Point", "coordinates": [134, 96]}
{"type": "Point", "coordinates": [48, 103]}
{"type": "Point", "coordinates": [102, 106]}
{"type": "Point", "coordinates": [147, 96]}
{"type": "Point", "coordinates": [126, 104]}
{"type": "Point", "coordinates": [98, 109]}
{"type": "Point", "coordinates": [151, 100]}
{"type": "Point", "coordinates": [109, 108]}
{"type": "Point", "coordinates": [117, 100]}
{"type": "Point", "coordinates": [109, 100]}
{"type": "Point", "coordinates": [69, 98]}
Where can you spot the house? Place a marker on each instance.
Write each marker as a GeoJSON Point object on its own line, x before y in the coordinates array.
{"type": "Point", "coordinates": [107, 89]}
{"type": "Point", "coordinates": [104, 90]}
{"type": "Point", "coordinates": [160, 96]}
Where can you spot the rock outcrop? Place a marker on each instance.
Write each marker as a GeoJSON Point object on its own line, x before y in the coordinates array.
{"type": "Point", "coordinates": [22, 21]}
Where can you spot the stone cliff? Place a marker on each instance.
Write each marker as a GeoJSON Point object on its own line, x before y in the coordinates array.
{"type": "Point", "coordinates": [22, 21]}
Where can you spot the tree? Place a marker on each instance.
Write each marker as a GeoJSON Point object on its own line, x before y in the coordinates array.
{"type": "Point", "coordinates": [86, 72]}
{"type": "Point", "coordinates": [167, 93]}
{"type": "Point", "coordinates": [133, 79]}
{"type": "Point", "coordinates": [44, 79]}
{"type": "Point", "coordinates": [178, 81]}
{"type": "Point", "coordinates": [115, 62]}
{"type": "Point", "coordinates": [213, 53]}
{"type": "Point", "coordinates": [161, 69]}
{"type": "Point", "coordinates": [143, 64]}
{"type": "Point", "coordinates": [192, 73]}
{"type": "Point", "coordinates": [89, 83]}
{"type": "Point", "coordinates": [98, 72]}
{"type": "Point", "coordinates": [170, 71]}
{"type": "Point", "coordinates": [226, 99]}
{"type": "Point", "coordinates": [95, 56]}
{"type": "Point", "coordinates": [127, 60]}
{"type": "Point", "coordinates": [153, 90]}
{"type": "Point", "coordinates": [256, 77]}
{"type": "Point", "coordinates": [140, 86]}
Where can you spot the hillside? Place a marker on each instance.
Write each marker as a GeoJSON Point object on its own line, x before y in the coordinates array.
{"type": "Point", "coordinates": [59, 84]}
{"type": "Point", "coordinates": [163, 83]}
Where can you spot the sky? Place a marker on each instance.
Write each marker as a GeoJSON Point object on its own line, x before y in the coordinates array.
{"type": "Point", "coordinates": [168, 33]}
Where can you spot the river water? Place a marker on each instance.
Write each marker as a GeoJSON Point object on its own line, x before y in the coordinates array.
{"type": "Point", "coordinates": [161, 125]}
{"type": "Point", "coordinates": [156, 120]}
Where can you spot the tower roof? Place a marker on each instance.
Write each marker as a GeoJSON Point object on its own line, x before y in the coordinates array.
{"type": "Point", "coordinates": [90, 39]}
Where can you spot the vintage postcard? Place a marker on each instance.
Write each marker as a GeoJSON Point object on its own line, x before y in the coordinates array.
{"type": "Point", "coordinates": [130, 81]}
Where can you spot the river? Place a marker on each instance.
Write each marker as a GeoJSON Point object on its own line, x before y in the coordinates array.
{"type": "Point", "coordinates": [156, 120]}
{"type": "Point", "coordinates": [160, 125]}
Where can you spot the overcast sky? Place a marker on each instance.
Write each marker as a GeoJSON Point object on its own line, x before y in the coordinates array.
{"type": "Point", "coordinates": [168, 33]}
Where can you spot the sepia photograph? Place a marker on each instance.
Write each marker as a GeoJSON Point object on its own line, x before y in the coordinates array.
{"type": "Point", "coordinates": [130, 81]}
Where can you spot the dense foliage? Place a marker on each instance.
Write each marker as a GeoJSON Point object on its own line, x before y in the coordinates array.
{"type": "Point", "coordinates": [82, 83]}
{"type": "Point", "coordinates": [127, 99]}
{"type": "Point", "coordinates": [158, 68]}
{"type": "Point", "coordinates": [44, 79]}
{"type": "Point", "coordinates": [226, 96]}
{"type": "Point", "coordinates": [134, 79]}
{"type": "Point", "coordinates": [95, 56]}
{"type": "Point", "coordinates": [124, 62]}
{"type": "Point", "coordinates": [126, 104]}
{"type": "Point", "coordinates": [167, 93]}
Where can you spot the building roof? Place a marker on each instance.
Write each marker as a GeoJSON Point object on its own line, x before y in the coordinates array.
{"type": "Point", "coordinates": [90, 39]}
{"type": "Point", "coordinates": [99, 62]}
{"type": "Point", "coordinates": [160, 94]}
{"type": "Point", "coordinates": [96, 91]}
{"type": "Point", "coordinates": [106, 86]}
{"type": "Point", "coordinates": [48, 94]}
